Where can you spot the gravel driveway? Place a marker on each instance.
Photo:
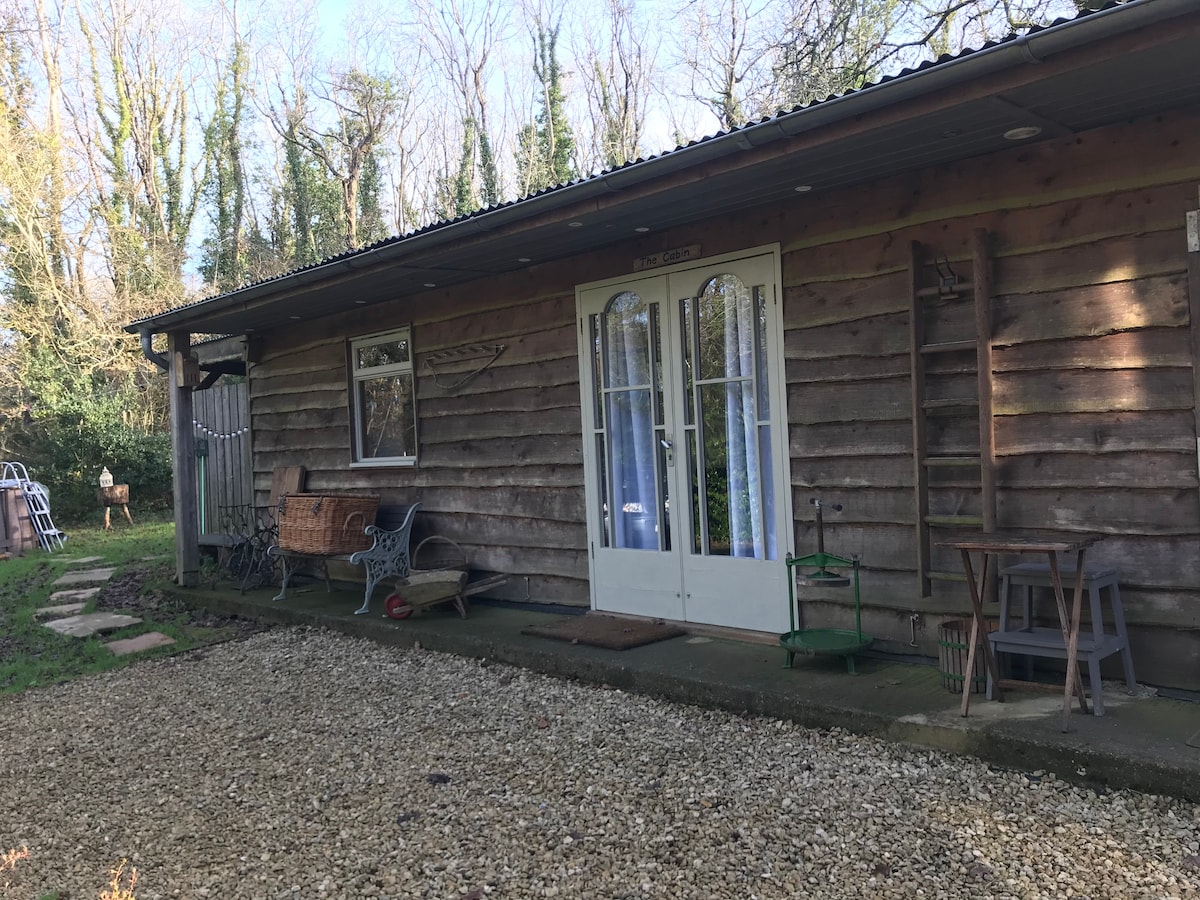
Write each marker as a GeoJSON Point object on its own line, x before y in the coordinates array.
{"type": "Point", "coordinates": [299, 763]}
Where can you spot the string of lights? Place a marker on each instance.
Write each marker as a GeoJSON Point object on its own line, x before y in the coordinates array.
{"type": "Point", "coordinates": [220, 435]}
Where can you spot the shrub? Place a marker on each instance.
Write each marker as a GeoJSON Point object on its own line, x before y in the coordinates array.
{"type": "Point", "coordinates": [66, 447]}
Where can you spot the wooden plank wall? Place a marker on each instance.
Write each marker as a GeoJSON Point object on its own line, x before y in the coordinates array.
{"type": "Point", "coordinates": [1094, 425]}
{"type": "Point", "coordinates": [222, 418]}
{"type": "Point", "coordinates": [1093, 371]}
{"type": "Point", "coordinates": [500, 459]}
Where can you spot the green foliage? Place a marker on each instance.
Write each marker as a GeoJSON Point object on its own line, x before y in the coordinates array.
{"type": "Point", "coordinates": [489, 194]}
{"type": "Point", "coordinates": [371, 225]}
{"type": "Point", "coordinates": [457, 193]}
{"type": "Point", "coordinates": [66, 440]}
{"type": "Point", "coordinates": [546, 147]}
{"type": "Point", "coordinates": [365, 108]}
{"type": "Point", "coordinates": [465, 200]}
{"type": "Point", "coordinates": [313, 200]}
{"type": "Point", "coordinates": [224, 261]}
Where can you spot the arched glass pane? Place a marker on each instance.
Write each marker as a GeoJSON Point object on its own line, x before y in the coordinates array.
{"type": "Point", "coordinates": [630, 402]}
{"type": "Point", "coordinates": [627, 327]}
{"type": "Point", "coordinates": [726, 343]}
{"type": "Point", "coordinates": [727, 353]}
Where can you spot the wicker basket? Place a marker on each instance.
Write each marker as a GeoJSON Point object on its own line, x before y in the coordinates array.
{"type": "Point", "coordinates": [326, 524]}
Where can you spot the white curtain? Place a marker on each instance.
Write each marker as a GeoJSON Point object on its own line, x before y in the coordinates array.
{"type": "Point", "coordinates": [745, 497]}
{"type": "Point", "coordinates": [631, 423]}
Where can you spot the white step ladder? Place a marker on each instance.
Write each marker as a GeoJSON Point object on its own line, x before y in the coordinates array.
{"type": "Point", "coordinates": [14, 475]}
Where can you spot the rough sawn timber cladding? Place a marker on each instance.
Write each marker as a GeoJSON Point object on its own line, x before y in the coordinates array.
{"type": "Point", "coordinates": [1092, 370]}
{"type": "Point", "coordinates": [1093, 383]}
{"type": "Point", "coordinates": [500, 468]}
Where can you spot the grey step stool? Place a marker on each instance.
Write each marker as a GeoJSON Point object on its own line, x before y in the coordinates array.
{"type": "Point", "coordinates": [1094, 644]}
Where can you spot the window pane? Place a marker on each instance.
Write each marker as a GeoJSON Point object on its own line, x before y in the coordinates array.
{"type": "Point", "coordinates": [386, 416]}
{"type": "Point", "coordinates": [767, 468]}
{"type": "Point", "coordinates": [627, 325]}
{"type": "Point", "coordinates": [714, 443]}
{"type": "Point", "coordinates": [724, 332]}
{"type": "Point", "coordinates": [602, 483]}
{"type": "Point", "coordinates": [695, 484]}
{"type": "Point", "coordinates": [689, 363]}
{"type": "Point", "coordinates": [597, 371]}
{"type": "Point", "coordinates": [760, 359]}
{"type": "Point", "coordinates": [631, 442]}
{"type": "Point", "coordinates": [385, 353]}
{"type": "Point", "coordinates": [664, 488]}
{"type": "Point", "coordinates": [656, 363]}
{"type": "Point", "coordinates": [731, 504]}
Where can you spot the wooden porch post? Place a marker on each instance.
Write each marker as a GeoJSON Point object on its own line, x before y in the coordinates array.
{"type": "Point", "coordinates": [1193, 258]}
{"type": "Point", "coordinates": [183, 375]}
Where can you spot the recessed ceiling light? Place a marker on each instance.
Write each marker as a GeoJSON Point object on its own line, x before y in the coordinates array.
{"type": "Point", "coordinates": [574, 224]}
{"type": "Point", "coordinates": [1022, 133]}
{"type": "Point", "coordinates": [360, 302]}
{"type": "Point", "coordinates": [641, 229]}
{"type": "Point", "coordinates": [523, 259]}
{"type": "Point", "coordinates": [430, 284]}
{"type": "Point", "coordinates": [294, 318]}
{"type": "Point", "coordinates": [803, 188]}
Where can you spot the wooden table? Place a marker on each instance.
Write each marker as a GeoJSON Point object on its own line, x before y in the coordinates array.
{"type": "Point", "coordinates": [999, 543]}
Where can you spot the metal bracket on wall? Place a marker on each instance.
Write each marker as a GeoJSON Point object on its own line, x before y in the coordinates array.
{"type": "Point", "coordinates": [489, 353]}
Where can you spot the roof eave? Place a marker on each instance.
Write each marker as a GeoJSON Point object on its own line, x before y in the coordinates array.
{"type": "Point", "coordinates": [1026, 49]}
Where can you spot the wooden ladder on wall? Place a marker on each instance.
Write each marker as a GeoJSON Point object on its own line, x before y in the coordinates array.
{"type": "Point", "coordinates": [950, 348]}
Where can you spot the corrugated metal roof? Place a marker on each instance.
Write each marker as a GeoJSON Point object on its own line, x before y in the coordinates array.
{"type": "Point", "coordinates": [494, 239]}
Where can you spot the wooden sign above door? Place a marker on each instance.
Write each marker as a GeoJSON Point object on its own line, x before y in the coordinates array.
{"type": "Point", "coordinates": [667, 257]}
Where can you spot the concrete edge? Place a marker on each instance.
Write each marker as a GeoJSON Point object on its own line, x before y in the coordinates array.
{"type": "Point", "coordinates": [1084, 766]}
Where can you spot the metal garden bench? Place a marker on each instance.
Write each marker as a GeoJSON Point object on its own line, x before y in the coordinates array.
{"type": "Point", "coordinates": [388, 556]}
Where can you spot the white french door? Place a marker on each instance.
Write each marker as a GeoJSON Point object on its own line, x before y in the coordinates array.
{"type": "Point", "coordinates": [685, 451]}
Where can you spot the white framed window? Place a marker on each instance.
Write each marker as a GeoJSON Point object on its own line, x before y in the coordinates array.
{"type": "Point", "coordinates": [383, 414]}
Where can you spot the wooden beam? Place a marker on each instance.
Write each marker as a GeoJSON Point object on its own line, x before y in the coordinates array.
{"type": "Point", "coordinates": [1193, 256]}
{"type": "Point", "coordinates": [183, 455]}
{"type": "Point", "coordinates": [916, 340]}
{"type": "Point", "coordinates": [983, 334]}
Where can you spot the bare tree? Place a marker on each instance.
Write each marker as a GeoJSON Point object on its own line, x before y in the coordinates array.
{"type": "Point", "coordinates": [727, 52]}
{"type": "Point", "coordinates": [831, 46]}
{"type": "Point", "coordinates": [364, 110]}
{"type": "Point", "coordinates": [618, 63]}
{"type": "Point", "coordinates": [145, 173]}
{"type": "Point", "coordinates": [927, 28]}
{"type": "Point", "coordinates": [461, 36]}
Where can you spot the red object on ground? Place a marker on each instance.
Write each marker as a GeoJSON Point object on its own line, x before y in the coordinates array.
{"type": "Point", "coordinates": [397, 607]}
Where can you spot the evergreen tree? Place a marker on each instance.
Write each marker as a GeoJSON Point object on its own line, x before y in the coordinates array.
{"type": "Point", "coordinates": [223, 262]}
{"type": "Point", "coordinates": [546, 147]}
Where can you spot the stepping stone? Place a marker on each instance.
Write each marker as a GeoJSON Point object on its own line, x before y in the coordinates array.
{"type": "Point", "coordinates": [91, 623]}
{"type": "Point", "coordinates": [63, 609]}
{"type": "Point", "coordinates": [137, 644]}
{"type": "Point", "coordinates": [87, 576]}
{"type": "Point", "coordinates": [76, 595]}
{"type": "Point", "coordinates": [84, 560]}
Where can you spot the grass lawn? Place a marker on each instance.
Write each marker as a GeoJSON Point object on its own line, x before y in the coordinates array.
{"type": "Point", "coordinates": [143, 559]}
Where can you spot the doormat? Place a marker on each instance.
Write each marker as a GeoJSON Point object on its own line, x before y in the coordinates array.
{"type": "Point", "coordinates": [605, 631]}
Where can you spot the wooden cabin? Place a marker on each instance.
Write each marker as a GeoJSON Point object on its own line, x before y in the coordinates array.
{"type": "Point", "coordinates": [965, 296]}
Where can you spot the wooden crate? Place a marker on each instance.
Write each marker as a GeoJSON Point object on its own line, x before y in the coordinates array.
{"type": "Point", "coordinates": [19, 535]}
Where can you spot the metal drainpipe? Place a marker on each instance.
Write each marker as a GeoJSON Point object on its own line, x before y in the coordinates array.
{"type": "Point", "coordinates": [157, 358]}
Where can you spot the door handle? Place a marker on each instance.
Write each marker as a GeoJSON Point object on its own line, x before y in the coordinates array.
{"type": "Point", "coordinates": [669, 445]}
